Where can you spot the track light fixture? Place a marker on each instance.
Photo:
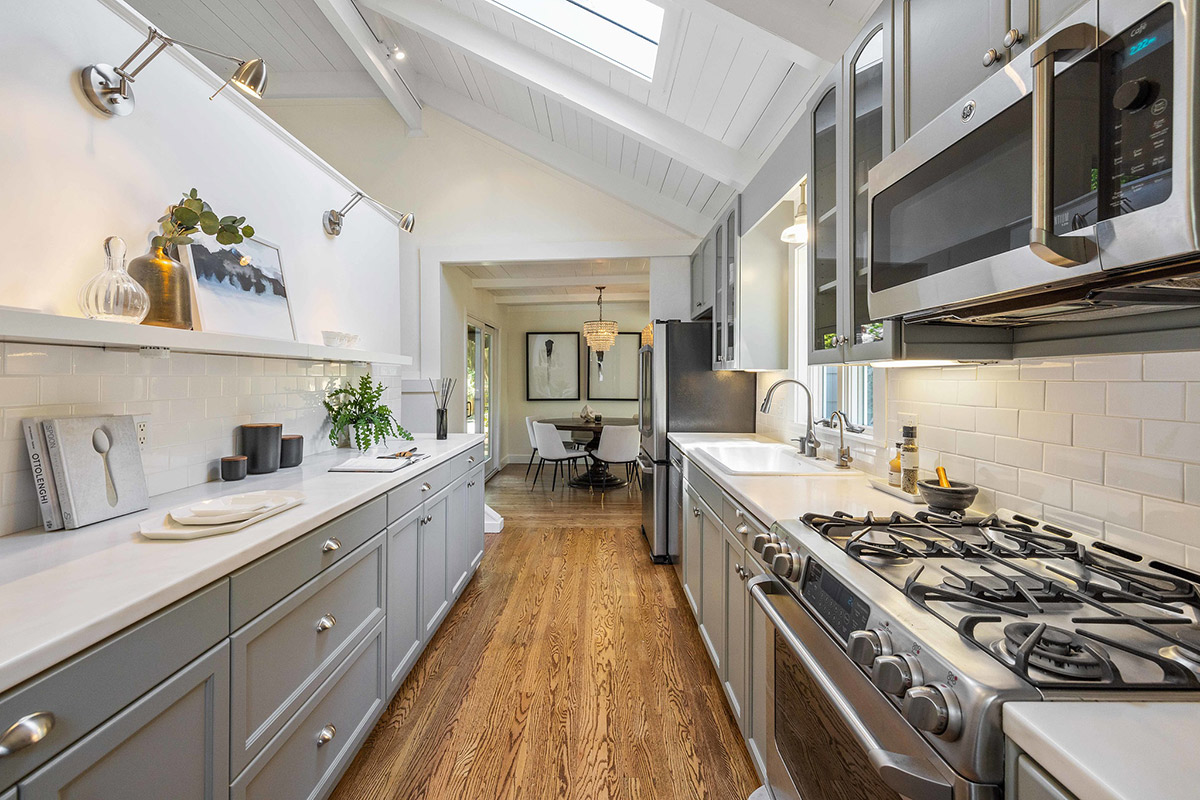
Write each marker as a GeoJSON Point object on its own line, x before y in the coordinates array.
{"type": "Point", "coordinates": [333, 220]}
{"type": "Point", "coordinates": [109, 88]}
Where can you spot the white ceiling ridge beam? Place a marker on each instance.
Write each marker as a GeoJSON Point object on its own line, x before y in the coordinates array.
{"type": "Point", "coordinates": [551, 299]}
{"type": "Point", "coordinates": [576, 165]}
{"type": "Point", "coordinates": [796, 53]}
{"type": "Point", "coordinates": [394, 78]}
{"type": "Point", "coordinates": [561, 280]}
{"type": "Point", "coordinates": [582, 93]}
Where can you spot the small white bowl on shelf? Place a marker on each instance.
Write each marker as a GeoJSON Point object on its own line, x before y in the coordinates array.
{"type": "Point", "coordinates": [339, 339]}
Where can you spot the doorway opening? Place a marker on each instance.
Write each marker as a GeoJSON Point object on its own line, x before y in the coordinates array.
{"type": "Point", "coordinates": [480, 395]}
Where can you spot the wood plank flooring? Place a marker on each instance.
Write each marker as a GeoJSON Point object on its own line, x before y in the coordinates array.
{"type": "Point", "coordinates": [570, 668]}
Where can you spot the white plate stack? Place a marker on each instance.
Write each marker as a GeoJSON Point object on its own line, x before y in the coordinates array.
{"type": "Point", "coordinates": [221, 515]}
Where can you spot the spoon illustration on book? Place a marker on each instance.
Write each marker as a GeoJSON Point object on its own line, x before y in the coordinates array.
{"type": "Point", "coordinates": [102, 443]}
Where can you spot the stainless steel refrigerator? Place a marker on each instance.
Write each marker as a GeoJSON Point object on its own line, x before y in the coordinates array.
{"type": "Point", "coordinates": [679, 392]}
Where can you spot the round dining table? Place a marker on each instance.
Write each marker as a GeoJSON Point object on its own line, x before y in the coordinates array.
{"type": "Point", "coordinates": [597, 476]}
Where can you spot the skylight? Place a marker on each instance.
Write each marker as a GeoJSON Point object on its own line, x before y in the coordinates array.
{"type": "Point", "coordinates": [625, 32]}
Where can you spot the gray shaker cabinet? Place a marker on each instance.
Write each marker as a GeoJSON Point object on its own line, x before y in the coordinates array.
{"type": "Point", "coordinates": [712, 586]}
{"type": "Point", "coordinates": [757, 652]}
{"type": "Point", "coordinates": [9, 795]}
{"type": "Point", "coordinates": [173, 742]}
{"type": "Point", "coordinates": [458, 530]}
{"type": "Point", "coordinates": [734, 678]}
{"type": "Point", "coordinates": [476, 501]}
{"type": "Point", "coordinates": [431, 548]}
{"type": "Point", "coordinates": [693, 524]}
{"type": "Point", "coordinates": [404, 629]}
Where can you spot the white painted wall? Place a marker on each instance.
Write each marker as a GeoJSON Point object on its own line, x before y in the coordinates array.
{"type": "Point", "coordinates": [671, 287]}
{"type": "Point", "coordinates": [72, 176]}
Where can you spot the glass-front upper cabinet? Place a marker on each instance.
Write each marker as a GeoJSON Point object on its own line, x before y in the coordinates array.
{"type": "Point", "coordinates": [823, 244]}
{"type": "Point", "coordinates": [730, 276]}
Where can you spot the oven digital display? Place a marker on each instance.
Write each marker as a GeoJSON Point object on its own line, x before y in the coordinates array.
{"type": "Point", "coordinates": [842, 609]}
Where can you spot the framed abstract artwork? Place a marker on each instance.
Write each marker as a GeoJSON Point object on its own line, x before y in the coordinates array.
{"type": "Point", "coordinates": [238, 288]}
{"type": "Point", "coordinates": [552, 365]}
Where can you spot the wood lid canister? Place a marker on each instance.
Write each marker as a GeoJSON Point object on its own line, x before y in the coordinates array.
{"type": "Point", "coordinates": [292, 451]}
{"type": "Point", "coordinates": [261, 443]}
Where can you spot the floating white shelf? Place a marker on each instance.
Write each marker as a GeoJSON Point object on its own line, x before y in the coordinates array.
{"type": "Point", "coordinates": [36, 328]}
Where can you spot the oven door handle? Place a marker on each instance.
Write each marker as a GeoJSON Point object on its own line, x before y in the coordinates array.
{"type": "Point", "coordinates": [1062, 251]}
{"type": "Point", "coordinates": [911, 777]}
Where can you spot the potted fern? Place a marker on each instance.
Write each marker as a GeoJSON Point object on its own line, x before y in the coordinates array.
{"type": "Point", "coordinates": [357, 412]}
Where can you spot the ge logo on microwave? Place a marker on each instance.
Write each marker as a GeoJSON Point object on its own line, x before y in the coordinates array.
{"type": "Point", "coordinates": [968, 111]}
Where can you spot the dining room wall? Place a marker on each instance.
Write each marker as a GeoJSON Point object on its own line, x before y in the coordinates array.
{"type": "Point", "coordinates": [520, 320]}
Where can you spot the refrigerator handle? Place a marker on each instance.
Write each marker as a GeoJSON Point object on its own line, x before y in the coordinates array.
{"type": "Point", "coordinates": [643, 356]}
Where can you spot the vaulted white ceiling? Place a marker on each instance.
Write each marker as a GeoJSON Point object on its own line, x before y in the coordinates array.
{"type": "Point", "coordinates": [678, 147]}
{"type": "Point", "coordinates": [542, 282]}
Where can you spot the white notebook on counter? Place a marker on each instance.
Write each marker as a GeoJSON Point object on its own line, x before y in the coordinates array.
{"type": "Point", "coordinates": [376, 464]}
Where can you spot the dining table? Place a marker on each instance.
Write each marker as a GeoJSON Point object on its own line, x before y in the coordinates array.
{"type": "Point", "coordinates": [597, 475]}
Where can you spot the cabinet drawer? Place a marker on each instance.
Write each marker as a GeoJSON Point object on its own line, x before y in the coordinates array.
{"type": "Point", "coordinates": [280, 657]}
{"type": "Point", "coordinates": [703, 485]}
{"type": "Point", "coordinates": [465, 462]}
{"type": "Point", "coordinates": [258, 586]}
{"type": "Point", "coordinates": [302, 762]}
{"type": "Point", "coordinates": [741, 523]}
{"type": "Point", "coordinates": [407, 496]}
{"type": "Point", "coordinates": [126, 666]}
{"type": "Point", "coordinates": [175, 736]}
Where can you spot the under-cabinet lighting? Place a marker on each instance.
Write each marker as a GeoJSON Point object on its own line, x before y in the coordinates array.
{"type": "Point", "coordinates": [918, 362]}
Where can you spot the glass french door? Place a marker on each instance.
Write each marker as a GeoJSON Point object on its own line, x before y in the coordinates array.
{"type": "Point", "coordinates": [480, 394]}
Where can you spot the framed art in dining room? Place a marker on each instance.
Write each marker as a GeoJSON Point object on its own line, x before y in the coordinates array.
{"type": "Point", "coordinates": [238, 288]}
{"type": "Point", "coordinates": [552, 365]}
{"type": "Point", "coordinates": [612, 375]}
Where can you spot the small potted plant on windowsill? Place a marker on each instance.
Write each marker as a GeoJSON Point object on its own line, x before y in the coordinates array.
{"type": "Point", "coordinates": [357, 412]}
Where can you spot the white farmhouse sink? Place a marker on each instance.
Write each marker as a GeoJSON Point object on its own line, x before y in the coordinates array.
{"type": "Point", "coordinates": [766, 458]}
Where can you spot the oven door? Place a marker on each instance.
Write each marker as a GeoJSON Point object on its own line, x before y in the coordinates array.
{"type": "Point", "coordinates": [832, 734]}
{"type": "Point", "coordinates": [1034, 183]}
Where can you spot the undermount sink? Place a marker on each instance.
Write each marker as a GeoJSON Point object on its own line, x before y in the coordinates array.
{"type": "Point", "coordinates": [766, 458]}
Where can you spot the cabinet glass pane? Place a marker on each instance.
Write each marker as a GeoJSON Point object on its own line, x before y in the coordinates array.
{"type": "Point", "coordinates": [824, 236]}
{"type": "Point", "coordinates": [731, 276]}
{"type": "Point", "coordinates": [867, 149]}
{"type": "Point", "coordinates": [719, 299]}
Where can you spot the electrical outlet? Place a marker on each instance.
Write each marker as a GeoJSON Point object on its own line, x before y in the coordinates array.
{"type": "Point", "coordinates": [143, 433]}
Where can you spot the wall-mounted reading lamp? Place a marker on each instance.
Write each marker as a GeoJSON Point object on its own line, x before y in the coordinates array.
{"type": "Point", "coordinates": [333, 219]}
{"type": "Point", "coordinates": [109, 90]}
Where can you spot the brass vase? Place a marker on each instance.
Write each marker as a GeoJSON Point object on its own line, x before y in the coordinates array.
{"type": "Point", "coordinates": [169, 286]}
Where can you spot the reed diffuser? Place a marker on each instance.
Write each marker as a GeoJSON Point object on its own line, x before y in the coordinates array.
{"type": "Point", "coordinates": [441, 399]}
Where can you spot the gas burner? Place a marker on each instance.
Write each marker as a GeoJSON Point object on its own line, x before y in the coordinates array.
{"type": "Point", "coordinates": [1055, 650]}
{"type": "Point", "coordinates": [1187, 651]}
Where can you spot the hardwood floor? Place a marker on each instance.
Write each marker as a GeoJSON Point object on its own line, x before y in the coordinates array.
{"type": "Point", "coordinates": [570, 668]}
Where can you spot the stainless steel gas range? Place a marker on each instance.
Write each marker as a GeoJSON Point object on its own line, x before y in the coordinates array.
{"type": "Point", "coordinates": [896, 641]}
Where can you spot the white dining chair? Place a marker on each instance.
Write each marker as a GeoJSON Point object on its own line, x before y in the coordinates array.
{"type": "Point", "coordinates": [532, 443]}
{"type": "Point", "coordinates": [619, 444]}
{"type": "Point", "coordinates": [551, 448]}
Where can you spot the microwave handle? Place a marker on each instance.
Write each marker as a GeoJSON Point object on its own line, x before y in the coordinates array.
{"type": "Point", "coordinates": [1062, 251]}
{"type": "Point", "coordinates": [910, 777]}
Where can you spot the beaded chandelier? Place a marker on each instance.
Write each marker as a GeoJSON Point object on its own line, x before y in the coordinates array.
{"type": "Point", "coordinates": [601, 334]}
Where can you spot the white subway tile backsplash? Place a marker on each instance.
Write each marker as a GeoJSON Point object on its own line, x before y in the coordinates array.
{"type": "Point", "coordinates": [1192, 404]}
{"type": "Point", "coordinates": [18, 391]}
{"type": "Point", "coordinates": [977, 393]}
{"type": "Point", "coordinates": [959, 418]}
{"type": "Point", "coordinates": [995, 476]}
{"type": "Point", "coordinates": [1074, 521]}
{"type": "Point", "coordinates": [1108, 433]}
{"type": "Point", "coordinates": [98, 361]}
{"type": "Point", "coordinates": [1146, 400]}
{"type": "Point", "coordinates": [1045, 488]}
{"type": "Point", "coordinates": [1175, 521]}
{"type": "Point", "coordinates": [1029, 395]}
{"type": "Point", "coordinates": [1109, 368]}
{"type": "Point", "coordinates": [1144, 543]}
{"type": "Point", "coordinates": [1019, 452]}
{"type": "Point", "coordinates": [1179, 440]}
{"type": "Point", "coordinates": [959, 468]}
{"type": "Point", "coordinates": [1045, 426]}
{"type": "Point", "coordinates": [1075, 397]}
{"type": "Point", "coordinates": [1183, 366]}
{"type": "Point", "coordinates": [997, 421]}
{"type": "Point", "coordinates": [1107, 503]}
{"type": "Point", "coordinates": [1047, 371]}
{"type": "Point", "coordinates": [937, 438]}
{"type": "Point", "coordinates": [977, 445]}
{"type": "Point", "coordinates": [1074, 462]}
{"type": "Point", "coordinates": [1149, 476]}
{"type": "Point", "coordinates": [67, 389]}
{"type": "Point", "coordinates": [36, 359]}
{"type": "Point", "coordinates": [1191, 483]}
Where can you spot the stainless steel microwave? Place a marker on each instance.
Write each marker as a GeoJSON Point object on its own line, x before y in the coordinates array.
{"type": "Point", "coordinates": [1064, 187]}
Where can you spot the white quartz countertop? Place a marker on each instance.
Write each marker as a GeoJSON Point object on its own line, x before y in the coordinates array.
{"type": "Point", "coordinates": [63, 591]}
{"type": "Point", "coordinates": [772, 498]}
{"type": "Point", "coordinates": [1112, 750]}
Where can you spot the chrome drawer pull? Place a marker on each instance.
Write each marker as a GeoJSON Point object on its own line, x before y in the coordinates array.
{"type": "Point", "coordinates": [26, 731]}
{"type": "Point", "coordinates": [425, 487]}
{"type": "Point", "coordinates": [331, 544]}
{"type": "Point", "coordinates": [326, 622]}
{"type": "Point", "coordinates": [470, 459]}
{"type": "Point", "coordinates": [695, 512]}
{"type": "Point", "coordinates": [326, 735]}
{"type": "Point", "coordinates": [742, 529]}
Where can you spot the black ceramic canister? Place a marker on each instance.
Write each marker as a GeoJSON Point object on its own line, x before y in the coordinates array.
{"type": "Point", "coordinates": [261, 444]}
{"type": "Point", "coordinates": [291, 452]}
{"type": "Point", "coordinates": [233, 468]}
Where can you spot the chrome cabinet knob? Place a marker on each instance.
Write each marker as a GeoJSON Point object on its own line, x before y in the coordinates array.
{"type": "Point", "coordinates": [896, 674]}
{"type": "Point", "coordinates": [761, 540]}
{"type": "Point", "coordinates": [742, 530]}
{"type": "Point", "coordinates": [772, 550]}
{"type": "Point", "coordinates": [28, 730]}
{"type": "Point", "coordinates": [933, 709]}
{"type": "Point", "coordinates": [425, 487]}
{"type": "Point", "coordinates": [1013, 37]}
{"type": "Point", "coordinates": [326, 735]}
{"type": "Point", "coordinates": [326, 622]}
{"type": "Point", "coordinates": [787, 565]}
{"type": "Point", "coordinates": [695, 512]}
{"type": "Point", "coordinates": [866, 646]}
{"type": "Point", "coordinates": [992, 56]}
{"type": "Point", "coordinates": [470, 459]}
{"type": "Point", "coordinates": [331, 544]}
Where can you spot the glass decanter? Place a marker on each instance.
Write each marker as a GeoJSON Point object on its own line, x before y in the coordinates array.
{"type": "Point", "coordinates": [113, 295]}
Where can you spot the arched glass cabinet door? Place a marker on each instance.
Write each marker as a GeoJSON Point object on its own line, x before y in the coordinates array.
{"type": "Point", "coordinates": [823, 229]}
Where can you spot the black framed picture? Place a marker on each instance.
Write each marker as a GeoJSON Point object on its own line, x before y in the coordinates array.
{"type": "Point", "coordinates": [552, 365]}
{"type": "Point", "coordinates": [612, 375]}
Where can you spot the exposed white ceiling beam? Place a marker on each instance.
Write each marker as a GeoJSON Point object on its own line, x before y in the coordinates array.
{"type": "Point", "coordinates": [394, 78]}
{"type": "Point", "coordinates": [548, 299]}
{"type": "Point", "coordinates": [818, 60]}
{"type": "Point", "coordinates": [642, 280]}
{"type": "Point", "coordinates": [561, 158]}
{"type": "Point", "coordinates": [580, 92]}
{"type": "Point", "coordinates": [813, 26]}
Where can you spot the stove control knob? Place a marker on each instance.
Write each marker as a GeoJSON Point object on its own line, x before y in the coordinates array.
{"type": "Point", "coordinates": [866, 646]}
{"type": "Point", "coordinates": [896, 674]}
{"type": "Point", "coordinates": [775, 548]}
{"type": "Point", "coordinates": [934, 709]}
{"type": "Point", "coordinates": [787, 566]}
{"type": "Point", "coordinates": [761, 540]}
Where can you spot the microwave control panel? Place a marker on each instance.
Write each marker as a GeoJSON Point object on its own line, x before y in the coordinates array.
{"type": "Point", "coordinates": [1137, 79]}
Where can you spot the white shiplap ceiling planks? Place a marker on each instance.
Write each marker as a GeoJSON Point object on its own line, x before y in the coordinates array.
{"type": "Point", "coordinates": [724, 93]}
{"type": "Point", "coordinates": [544, 282]}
